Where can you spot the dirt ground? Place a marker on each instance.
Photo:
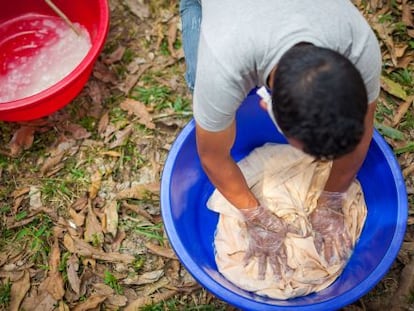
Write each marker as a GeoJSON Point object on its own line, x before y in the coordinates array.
{"type": "Point", "coordinates": [80, 220]}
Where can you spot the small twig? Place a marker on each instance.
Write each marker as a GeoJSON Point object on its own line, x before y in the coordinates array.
{"type": "Point", "coordinates": [62, 15]}
{"type": "Point", "coordinates": [171, 114]}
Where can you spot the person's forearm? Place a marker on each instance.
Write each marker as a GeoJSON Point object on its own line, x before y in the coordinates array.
{"type": "Point", "coordinates": [345, 168]}
{"type": "Point", "coordinates": [214, 151]}
{"type": "Point", "coordinates": [229, 180]}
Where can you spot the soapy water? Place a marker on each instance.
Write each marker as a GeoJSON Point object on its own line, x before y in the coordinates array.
{"type": "Point", "coordinates": [58, 50]}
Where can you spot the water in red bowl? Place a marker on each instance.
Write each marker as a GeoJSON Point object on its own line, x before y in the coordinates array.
{"type": "Point", "coordinates": [44, 63]}
{"type": "Point", "coordinates": [36, 52]}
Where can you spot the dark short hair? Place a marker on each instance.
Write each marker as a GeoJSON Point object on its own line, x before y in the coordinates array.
{"type": "Point", "coordinates": [319, 99]}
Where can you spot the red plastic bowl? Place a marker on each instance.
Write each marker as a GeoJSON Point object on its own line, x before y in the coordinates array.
{"type": "Point", "coordinates": [94, 16]}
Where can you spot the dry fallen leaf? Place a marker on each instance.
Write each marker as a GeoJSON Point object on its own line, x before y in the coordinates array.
{"type": "Point", "coordinates": [407, 15]}
{"type": "Point", "coordinates": [117, 301]}
{"type": "Point", "coordinates": [35, 200]}
{"type": "Point", "coordinates": [132, 79]}
{"type": "Point", "coordinates": [138, 109]}
{"type": "Point", "coordinates": [39, 301]}
{"type": "Point", "coordinates": [156, 286]}
{"type": "Point", "coordinates": [138, 191]}
{"type": "Point", "coordinates": [160, 251]}
{"type": "Point", "coordinates": [63, 306]}
{"type": "Point", "coordinates": [78, 218]}
{"type": "Point", "coordinates": [94, 91]}
{"type": "Point", "coordinates": [103, 123]}
{"type": "Point", "coordinates": [57, 154]}
{"type": "Point", "coordinates": [145, 278]}
{"type": "Point", "coordinates": [377, 4]}
{"type": "Point", "coordinates": [111, 217]}
{"type": "Point", "coordinates": [111, 153]}
{"type": "Point", "coordinates": [172, 35]}
{"type": "Point", "coordinates": [93, 228]}
{"type": "Point", "coordinates": [393, 88]}
{"type": "Point", "coordinates": [77, 131]}
{"type": "Point", "coordinates": [384, 32]}
{"type": "Point", "coordinates": [95, 186]}
{"type": "Point", "coordinates": [172, 270]}
{"type": "Point", "coordinates": [117, 241]}
{"type": "Point", "coordinates": [405, 288]}
{"type": "Point", "coordinates": [113, 299]}
{"type": "Point", "coordinates": [90, 303]}
{"type": "Point", "coordinates": [400, 50]}
{"type": "Point", "coordinates": [82, 248]}
{"type": "Point", "coordinates": [21, 140]}
{"type": "Point", "coordinates": [406, 172]}
{"type": "Point", "coordinates": [139, 8]}
{"type": "Point", "coordinates": [18, 291]}
{"type": "Point", "coordinates": [402, 110]}
{"type": "Point", "coordinates": [406, 60]}
{"type": "Point", "coordinates": [142, 301]}
{"type": "Point", "coordinates": [140, 211]}
{"type": "Point", "coordinates": [72, 267]}
{"type": "Point", "coordinates": [115, 56]}
{"type": "Point", "coordinates": [121, 137]}
{"type": "Point", "coordinates": [54, 282]}
{"type": "Point", "coordinates": [103, 73]}
{"type": "Point", "coordinates": [20, 191]}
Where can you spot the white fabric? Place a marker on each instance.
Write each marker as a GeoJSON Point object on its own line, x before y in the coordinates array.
{"type": "Point", "coordinates": [288, 182]}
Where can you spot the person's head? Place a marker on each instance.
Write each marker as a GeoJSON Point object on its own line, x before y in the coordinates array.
{"type": "Point", "coordinates": [320, 100]}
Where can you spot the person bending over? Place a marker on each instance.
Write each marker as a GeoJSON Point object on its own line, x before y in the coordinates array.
{"type": "Point", "coordinates": [321, 62]}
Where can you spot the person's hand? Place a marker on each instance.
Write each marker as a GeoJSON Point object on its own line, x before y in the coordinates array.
{"type": "Point", "coordinates": [332, 238]}
{"type": "Point", "coordinates": [266, 233]}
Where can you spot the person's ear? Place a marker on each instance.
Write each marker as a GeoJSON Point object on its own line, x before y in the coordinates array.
{"type": "Point", "coordinates": [263, 105]}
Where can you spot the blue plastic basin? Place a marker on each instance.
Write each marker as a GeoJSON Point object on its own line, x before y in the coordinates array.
{"type": "Point", "coordinates": [190, 226]}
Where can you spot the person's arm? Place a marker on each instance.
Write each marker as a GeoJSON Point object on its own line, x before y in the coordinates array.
{"type": "Point", "coordinates": [345, 168]}
{"type": "Point", "coordinates": [327, 218]}
{"type": "Point", "coordinates": [265, 230]}
{"type": "Point", "coordinates": [214, 152]}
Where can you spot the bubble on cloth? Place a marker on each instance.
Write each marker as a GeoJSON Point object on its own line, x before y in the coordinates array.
{"type": "Point", "coordinates": [26, 76]}
{"type": "Point", "coordinates": [288, 182]}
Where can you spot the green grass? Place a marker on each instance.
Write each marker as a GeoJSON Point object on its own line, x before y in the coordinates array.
{"type": "Point", "coordinates": [181, 105]}
{"type": "Point", "coordinates": [164, 48]}
{"type": "Point", "coordinates": [175, 305]}
{"type": "Point", "coordinates": [62, 265]}
{"type": "Point", "coordinates": [35, 236]}
{"type": "Point", "coordinates": [404, 77]}
{"type": "Point", "coordinates": [152, 95]}
{"type": "Point", "coordinates": [4, 161]}
{"type": "Point", "coordinates": [118, 115]}
{"type": "Point", "coordinates": [407, 123]}
{"type": "Point", "coordinates": [5, 294]}
{"type": "Point", "coordinates": [128, 56]}
{"type": "Point", "coordinates": [5, 209]}
{"type": "Point", "coordinates": [57, 190]}
{"type": "Point", "coordinates": [111, 281]}
{"type": "Point", "coordinates": [386, 18]}
{"type": "Point", "coordinates": [154, 232]}
{"type": "Point", "coordinates": [160, 97]}
{"type": "Point", "coordinates": [138, 262]}
{"type": "Point", "coordinates": [89, 123]}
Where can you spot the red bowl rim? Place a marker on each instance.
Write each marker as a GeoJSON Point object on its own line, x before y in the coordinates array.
{"type": "Point", "coordinates": [88, 60]}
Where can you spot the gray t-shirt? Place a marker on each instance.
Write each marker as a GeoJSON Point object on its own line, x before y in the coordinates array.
{"type": "Point", "coordinates": [242, 40]}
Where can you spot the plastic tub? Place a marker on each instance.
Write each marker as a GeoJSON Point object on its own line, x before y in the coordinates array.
{"type": "Point", "coordinates": [92, 14]}
{"type": "Point", "coordinates": [190, 226]}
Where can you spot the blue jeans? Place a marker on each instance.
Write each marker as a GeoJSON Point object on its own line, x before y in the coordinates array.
{"type": "Point", "coordinates": [190, 12]}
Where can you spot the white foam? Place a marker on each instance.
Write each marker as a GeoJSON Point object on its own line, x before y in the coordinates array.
{"type": "Point", "coordinates": [27, 76]}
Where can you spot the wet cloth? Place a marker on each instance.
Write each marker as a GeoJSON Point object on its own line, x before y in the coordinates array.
{"type": "Point", "coordinates": [288, 182]}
